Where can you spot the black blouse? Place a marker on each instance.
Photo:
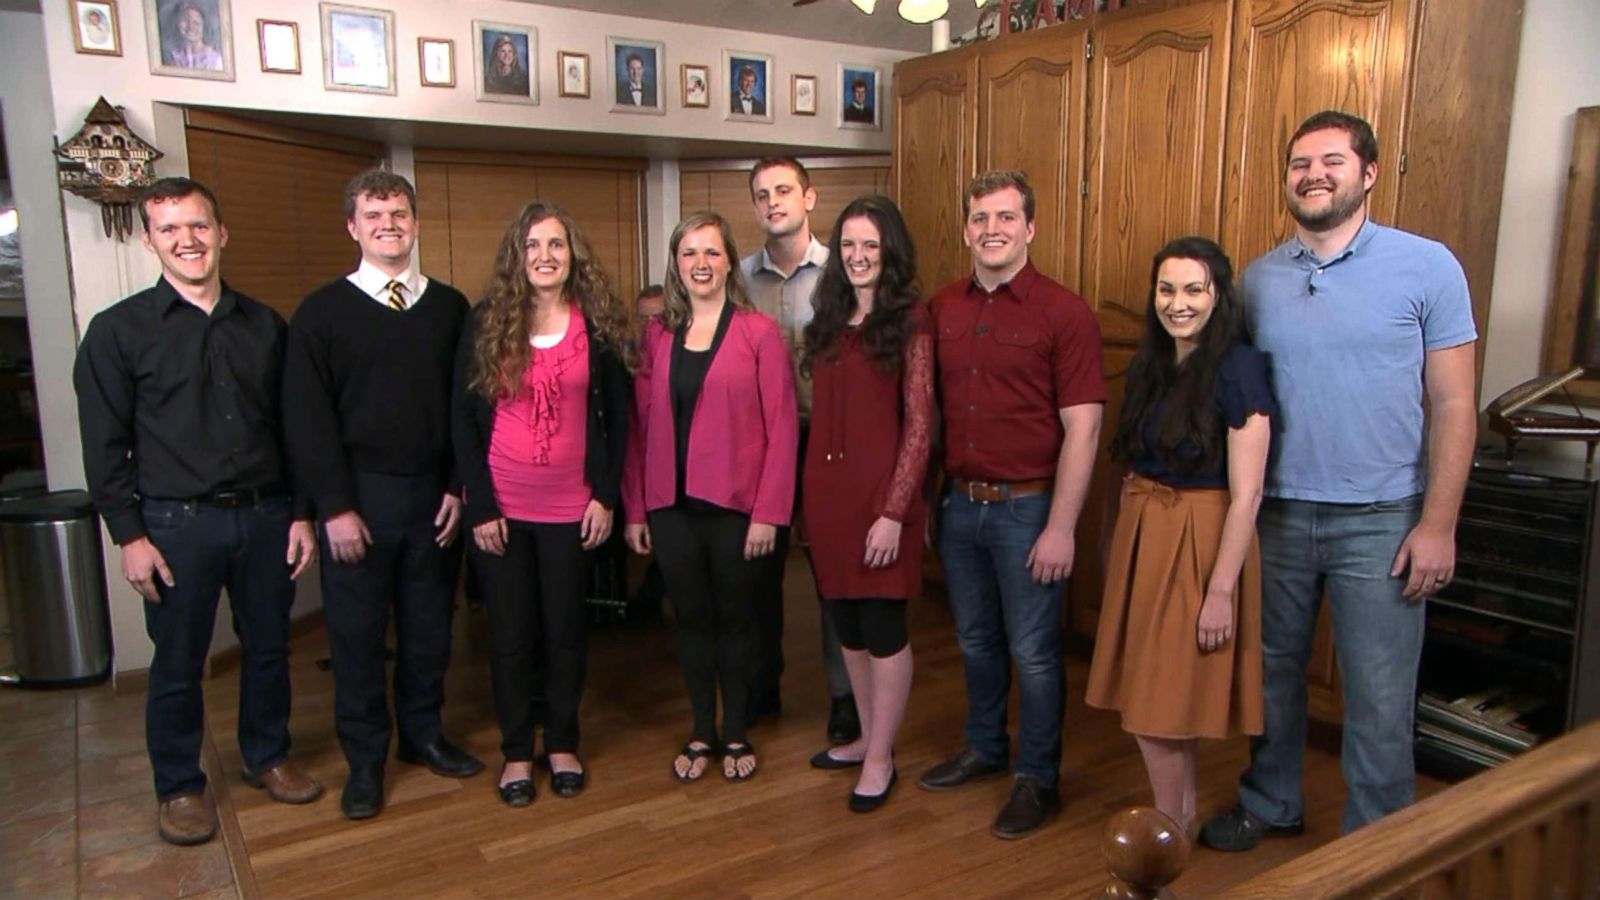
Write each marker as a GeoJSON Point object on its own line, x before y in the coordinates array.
{"type": "Point", "coordinates": [685, 377]}
{"type": "Point", "coordinates": [1242, 388]}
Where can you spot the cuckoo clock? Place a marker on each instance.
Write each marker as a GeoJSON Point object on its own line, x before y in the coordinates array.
{"type": "Point", "coordinates": [109, 164]}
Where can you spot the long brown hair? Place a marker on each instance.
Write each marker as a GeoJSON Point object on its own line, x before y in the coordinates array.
{"type": "Point", "coordinates": [503, 352]}
{"type": "Point", "coordinates": [676, 314]}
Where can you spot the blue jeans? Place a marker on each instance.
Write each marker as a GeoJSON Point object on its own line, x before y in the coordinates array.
{"type": "Point", "coordinates": [209, 549]}
{"type": "Point", "coordinates": [1002, 615]}
{"type": "Point", "coordinates": [1347, 549]}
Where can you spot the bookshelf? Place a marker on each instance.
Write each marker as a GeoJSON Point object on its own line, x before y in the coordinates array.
{"type": "Point", "coordinates": [1511, 656]}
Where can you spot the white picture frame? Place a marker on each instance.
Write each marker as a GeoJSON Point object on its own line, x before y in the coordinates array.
{"type": "Point", "coordinates": [514, 79]}
{"type": "Point", "coordinates": [190, 38]}
{"type": "Point", "coordinates": [358, 49]}
{"type": "Point", "coordinates": [736, 64]}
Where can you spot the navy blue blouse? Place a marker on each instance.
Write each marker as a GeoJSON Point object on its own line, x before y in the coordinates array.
{"type": "Point", "coordinates": [1242, 388]}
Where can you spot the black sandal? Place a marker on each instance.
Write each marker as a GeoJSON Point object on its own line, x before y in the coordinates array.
{"type": "Point", "coordinates": [693, 754]}
{"type": "Point", "coordinates": [736, 752]}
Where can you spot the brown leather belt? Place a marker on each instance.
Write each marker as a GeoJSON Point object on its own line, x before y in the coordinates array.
{"type": "Point", "coordinates": [999, 491]}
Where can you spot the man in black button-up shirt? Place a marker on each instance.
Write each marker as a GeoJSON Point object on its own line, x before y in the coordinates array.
{"type": "Point", "coordinates": [180, 408]}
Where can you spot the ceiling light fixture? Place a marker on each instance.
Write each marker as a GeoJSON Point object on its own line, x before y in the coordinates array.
{"type": "Point", "coordinates": [866, 6]}
{"type": "Point", "coordinates": [921, 12]}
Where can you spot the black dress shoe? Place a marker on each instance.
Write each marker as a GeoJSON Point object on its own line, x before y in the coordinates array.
{"type": "Point", "coordinates": [844, 725]}
{"type": "Point", "coordinates": [442, 758]}
{"type": "Point", "coordinates": [822, 759]}
{"type": "Point", "coordinates": [1030, 806]}
{"type": "Point", "coordinates": [1240, 829]}
{"type": "Point", "coordinates": [363, 793]}
{"type": "Point", "coordinates": [958, 770]}
{"type": "Point", "coordinates": [567, 784]}
{"type": "Point", "coordinates": [865, 803]}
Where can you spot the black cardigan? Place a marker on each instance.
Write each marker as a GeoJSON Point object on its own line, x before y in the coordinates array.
{"type": "Point", "coordinates": [610, 397]}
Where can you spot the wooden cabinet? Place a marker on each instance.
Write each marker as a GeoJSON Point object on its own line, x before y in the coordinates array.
{"type": "Point", "coordinates": [1156, 119]}
{"type": "Point", "coordinates": [1147, 123]}
{"type": "Point", "coordinates": [935, 155]}
{"type": "Point", "coordinates": [1030, 117]}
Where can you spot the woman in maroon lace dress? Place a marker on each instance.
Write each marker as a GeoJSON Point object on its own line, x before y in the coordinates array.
{"type": "Point", "coordinates": [869, 352]}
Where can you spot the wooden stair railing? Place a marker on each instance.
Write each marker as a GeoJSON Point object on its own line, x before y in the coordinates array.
{"type": "Point", "coordinates": [1527, 829]}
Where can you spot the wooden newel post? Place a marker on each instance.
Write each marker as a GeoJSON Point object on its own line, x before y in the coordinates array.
{"type": "Point", "coordinates": [1145, 851]}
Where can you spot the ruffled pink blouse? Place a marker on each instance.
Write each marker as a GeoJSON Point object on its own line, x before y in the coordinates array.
{"type": "Point", "coordinates": [536, 446]}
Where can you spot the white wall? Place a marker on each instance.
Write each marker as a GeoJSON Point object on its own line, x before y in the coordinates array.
{"type": "Point", "coordinates": [1558, 71]}
{"type": "Point", "coordinates": [100, 271]}
{"type": "Point", "coordinates": [29, 122]}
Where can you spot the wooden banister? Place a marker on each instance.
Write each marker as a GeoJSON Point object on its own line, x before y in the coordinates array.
{"type": "Point", "coordinates": [1529, 828]}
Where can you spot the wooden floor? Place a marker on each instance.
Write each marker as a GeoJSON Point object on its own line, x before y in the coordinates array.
{"type": "Point", "coordinates": [77, 816]}
{"type": "Point", "coordinates": [637, 833]}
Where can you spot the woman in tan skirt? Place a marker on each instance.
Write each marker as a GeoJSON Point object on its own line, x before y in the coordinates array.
{"type": "Point", "coordinates": [1179, 646]}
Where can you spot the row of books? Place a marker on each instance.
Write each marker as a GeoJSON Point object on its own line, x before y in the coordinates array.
{"type": "Point", "coordinates": [1487, 727]}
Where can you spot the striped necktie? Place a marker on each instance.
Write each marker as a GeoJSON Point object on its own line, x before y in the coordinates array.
{"type": "Point", "coordinates": [397, 297]}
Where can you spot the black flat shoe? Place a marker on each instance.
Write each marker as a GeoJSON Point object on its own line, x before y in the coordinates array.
{"type": "Point", "coordinates": [363, 793]}
{"type": "Point", "coordinates": [823, 759]}
{"type": "Point", "coordinates": [517, 793]}
{"type": "Point", "coordinates": [567, 784]}
{"type": "Point", "coordinates": [442, 758]}
{"type": "Point", "coordinates": [865, 803]}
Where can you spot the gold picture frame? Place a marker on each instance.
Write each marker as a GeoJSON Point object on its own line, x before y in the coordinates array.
{"type": "Point", "coordinates": [275, 38]}
{"type": "Point", "coordinates": [694, 86]}
{"type": "Point", "coordinates": [573, 71]}
{"type": "Point", "coordinates": [436, 62]}
{"type": "Point", "coordinates": [96, 29]}
{"type": "Point", "coordinates": [803, 95]}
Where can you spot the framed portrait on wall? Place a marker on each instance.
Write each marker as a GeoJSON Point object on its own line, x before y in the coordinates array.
{"type": "Point", "coordinates": [280, 46]}
{"type": "Point", "coordinates": [436, 61]}
{"type": "Point", "coordinates": [505, 61]}
{"type": "Point", "coordinates": [748, 81]}
{"type": "Point", "coordinates": [859, 96]}
{"type": "Point", "coordinates": [190, 38]}
{"type": "Point", "coordinates": [634, 76]}
{"type": "Point", "coordinates": [695, 85]}
{"type": "Point", "coordinates": [95, 28]}
{"type": "Point", "coordinates": [574, 69]}
{"type": "Point", "coordinates": [357, 49]}
{"type": "Point", "coordinates": [803, 95]}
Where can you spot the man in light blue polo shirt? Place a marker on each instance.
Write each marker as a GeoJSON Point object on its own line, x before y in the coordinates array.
{"type": "Point", "coordinates": [1362, 323]}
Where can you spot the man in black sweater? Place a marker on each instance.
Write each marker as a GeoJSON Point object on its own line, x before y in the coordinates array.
{"type": "Point", "coordinates": [368, 422]}
{"type": "Point", "coordinates": [179, 401]}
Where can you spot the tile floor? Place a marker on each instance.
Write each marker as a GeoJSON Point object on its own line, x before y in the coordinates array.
{"type": "Point", "coordinates": [77, 816]}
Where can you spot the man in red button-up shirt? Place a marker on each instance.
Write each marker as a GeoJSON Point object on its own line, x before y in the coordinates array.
{"type": "Point", "coordinates": [1022, 391]}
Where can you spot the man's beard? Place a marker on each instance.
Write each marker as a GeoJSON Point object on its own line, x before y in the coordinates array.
{"type": "Point", "coordinates": [1341, 207]}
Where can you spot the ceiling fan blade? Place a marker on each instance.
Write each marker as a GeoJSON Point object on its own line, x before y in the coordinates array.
{"type": "Point", "coordinates": [804, 2]}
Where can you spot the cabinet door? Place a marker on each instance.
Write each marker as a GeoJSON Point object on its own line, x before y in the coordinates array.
{"type": "Point", "coordinates": [1031, 117]}
{"type": "Point", "coordinates": [935, 133]}
{"type": "Point", "coordinates": [1292, 58]}
{"type": "Point", "coordinates": [1157, 105]}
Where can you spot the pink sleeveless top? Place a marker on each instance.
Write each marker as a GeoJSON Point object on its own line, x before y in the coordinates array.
{"type": "Point", "coordinates": [536, 447]}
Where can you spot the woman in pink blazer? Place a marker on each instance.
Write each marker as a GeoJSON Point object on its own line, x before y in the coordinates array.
{"type": "Point", "coordinates": [709, 476]}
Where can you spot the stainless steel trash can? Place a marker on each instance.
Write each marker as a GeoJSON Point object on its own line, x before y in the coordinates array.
{"type": "Point", "coordinates": [55, 586]}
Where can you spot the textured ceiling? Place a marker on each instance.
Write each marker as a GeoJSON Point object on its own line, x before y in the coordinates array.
{"type": "Point", "coordinates": [824, 20]}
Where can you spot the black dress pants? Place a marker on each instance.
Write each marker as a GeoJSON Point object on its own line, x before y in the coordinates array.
{"type": "Point", "coordinates": [536, 616]}
{"type": "Point", "coordinates": [713, 590]}
{"type": "Point", "coordinates": [406, 570]}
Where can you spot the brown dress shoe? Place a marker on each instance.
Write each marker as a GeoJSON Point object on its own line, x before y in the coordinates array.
{"type": "Point", "coordinates": [285, 782]}
{"type": "Point", "coordinates": [1030, 806]}
{"type": "Point", "coordinates": [186, 820]}
{"type": "Point", "coordinates": [958, 770]}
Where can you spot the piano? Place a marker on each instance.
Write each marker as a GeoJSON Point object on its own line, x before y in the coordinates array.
{"type": "Point", "coordinates": [1508, 419]}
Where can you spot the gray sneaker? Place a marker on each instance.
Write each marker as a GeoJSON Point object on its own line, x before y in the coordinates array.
{"type": "Point", "coordinates": [1239, 829]}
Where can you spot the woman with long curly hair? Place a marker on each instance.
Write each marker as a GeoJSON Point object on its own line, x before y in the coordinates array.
{"type": "Point", "coordinates": [869, 352]}
{"type": "Point", "coordinates": [710, 476]}
{"type": "Point", "coordinates": [542, 397]}
{"type": "Point", "coordinates": [1179, 645]}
